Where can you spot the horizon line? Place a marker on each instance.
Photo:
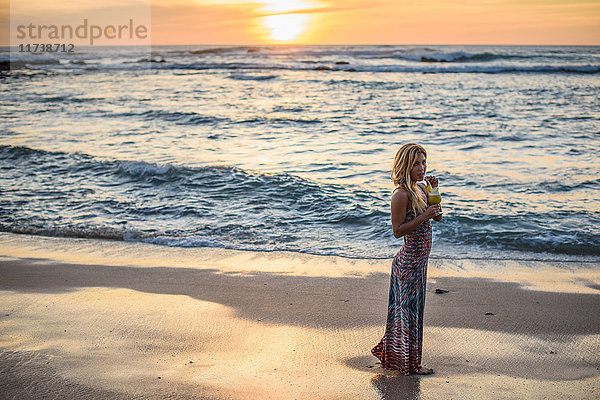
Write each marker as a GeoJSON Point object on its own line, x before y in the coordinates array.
{"type": "Point", "coordinates": [329, 44]}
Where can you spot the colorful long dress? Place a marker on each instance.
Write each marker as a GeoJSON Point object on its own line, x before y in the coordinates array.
{"type": "Point", "coordinates": [400, 348]}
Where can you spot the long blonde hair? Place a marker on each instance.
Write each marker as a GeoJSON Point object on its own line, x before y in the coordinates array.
{"type": "Point", "coordinates": [403, 162]}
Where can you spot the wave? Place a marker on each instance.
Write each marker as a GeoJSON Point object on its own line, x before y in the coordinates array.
{"type": "Point", "coordinates": [80, 232]}
{"type": "Point", "coordinates": [146, 60]}
{"type": "Point", "coordinates": [19, 64]}
{"type": "Point", "coordinates": [278, 186]}
{"type": "Point", "coordinates": [176, 117]}
{"type": "Point", "coordinates": [224, 50]}
{"type": "Point", "coordinates": [258, 63]}
{"type": "Point", "coordinates": [419, 54]}
{"type": "Point", "coordinates": [165, 51]}
{"type": "Point", "coordinates": [277, 121]}
{"type": "Point", "coordinates": [439, 68]}
{"type": "Point", "coordinates": [239, 77]}
{"type": "Point", "coordinates": [432, 55]}
{"type": "Point", "coordinates": [68, 99]}
{"type": "Point", "coordinates": [507, 233]}
{"type": "Point", "coordinates": [434, 67]}
{"type": "Point", "coordinates": [180, 118]}
{"type": "Point", "coordinates": [79, 195]}
{"type": "Point", "coordinates": [156, 202]}
{"type": "Point", "coordinates": [192, 118]}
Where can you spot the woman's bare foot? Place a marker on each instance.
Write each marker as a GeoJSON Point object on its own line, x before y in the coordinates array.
{"type": "Point", "coordinates": [424, 371]}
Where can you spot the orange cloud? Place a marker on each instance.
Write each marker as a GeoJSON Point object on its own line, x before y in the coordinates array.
{"type": "Point", "coordinates": [202, 24]}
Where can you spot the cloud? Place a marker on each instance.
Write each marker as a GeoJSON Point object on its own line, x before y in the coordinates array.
{"type": "Point", "coordinates": [348, 6]}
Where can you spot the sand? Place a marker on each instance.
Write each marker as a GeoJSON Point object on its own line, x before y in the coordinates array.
{"type": "Point", "coordinates": [97, 319]}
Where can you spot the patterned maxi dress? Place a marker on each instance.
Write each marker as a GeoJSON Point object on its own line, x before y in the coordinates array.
{"type": "Point", "coordinates": [400, 348]}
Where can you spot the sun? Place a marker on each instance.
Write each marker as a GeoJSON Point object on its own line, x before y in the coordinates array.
{"type": "Point", "coordinates": [285, 27]}
{"type": "Point", "coordinates": [286, 20]}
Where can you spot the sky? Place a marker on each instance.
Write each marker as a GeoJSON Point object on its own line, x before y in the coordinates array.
{"type": "Point", "coordinates": [247, 22]}
{"type": "Point", "coordinates": [377, 22]}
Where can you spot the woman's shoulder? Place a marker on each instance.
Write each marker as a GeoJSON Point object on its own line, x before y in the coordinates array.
{"type": "Point", "coordinates": [400, 191]}
{"type": "Point", "coordinates": [399, 194]}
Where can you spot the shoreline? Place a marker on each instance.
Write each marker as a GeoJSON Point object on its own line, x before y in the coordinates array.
{"type": "Point", "coordinates": [83, 319]}
{"type": "Point", "coordinates": [554, 276]}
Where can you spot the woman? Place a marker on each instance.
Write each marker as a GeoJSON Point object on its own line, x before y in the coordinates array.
{"type": "Point", "coordinates": [400, 348]}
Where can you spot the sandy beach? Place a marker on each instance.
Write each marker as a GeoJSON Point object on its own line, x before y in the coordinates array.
{"type": "Point", "coordinates": [98, 319]}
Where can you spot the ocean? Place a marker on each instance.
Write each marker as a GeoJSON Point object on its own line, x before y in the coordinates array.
{"type": "Point", "coordinates": [290, 147]}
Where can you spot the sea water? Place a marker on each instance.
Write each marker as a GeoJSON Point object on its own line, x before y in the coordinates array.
{"type": "Point", "coordinates": [290, 147]}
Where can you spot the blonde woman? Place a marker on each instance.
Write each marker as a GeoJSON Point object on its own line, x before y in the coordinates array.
{"type": "Point", "coordinates": [400, 348]}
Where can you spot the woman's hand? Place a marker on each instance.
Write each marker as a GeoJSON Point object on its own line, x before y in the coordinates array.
{"type": "Point", "coordinates": [433, 181]}
{"type": "Point", "coordinates": [438, 217]}
{"type": "Point", "coordinates": [432, 211]}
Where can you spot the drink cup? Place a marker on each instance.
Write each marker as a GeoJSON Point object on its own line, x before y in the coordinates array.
{"type": "Point", "coordinates": [433, 195]}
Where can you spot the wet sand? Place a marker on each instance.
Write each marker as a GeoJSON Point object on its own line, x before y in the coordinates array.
{"type": "Point", "coordinates": [106, 320]}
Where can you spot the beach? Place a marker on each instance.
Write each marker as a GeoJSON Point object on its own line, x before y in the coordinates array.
{"type": "Point", "coordinates": [213, 222]}
{"type": "Point", "coordinates": [103, 319]}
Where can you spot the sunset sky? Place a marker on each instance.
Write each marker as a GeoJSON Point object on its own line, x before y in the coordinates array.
{"type": "Point", "coordinates": [377, 22]}
{"type": "Point", "coordinates": [344, 22]}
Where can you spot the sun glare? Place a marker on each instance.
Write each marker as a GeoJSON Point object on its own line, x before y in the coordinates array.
{"type": "Point", "coordinates": [285, 27]}
{"type": "Point", "coordinates": [286, 23]}
{"type": "Point", "coordinates": [280, 6]}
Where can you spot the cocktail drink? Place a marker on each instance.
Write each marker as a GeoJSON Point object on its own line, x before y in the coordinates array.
{"type": "Point", "coordinates": [433, 194]}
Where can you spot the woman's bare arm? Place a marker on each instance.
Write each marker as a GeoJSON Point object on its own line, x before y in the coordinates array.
{"type": "Point", "coordinates": [399, 206]}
